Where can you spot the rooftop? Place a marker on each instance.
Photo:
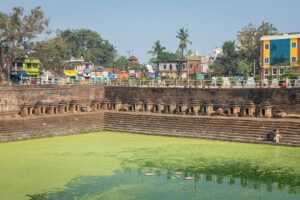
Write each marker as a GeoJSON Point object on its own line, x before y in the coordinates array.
{"type": "Point", "coordinates": [281, 36]}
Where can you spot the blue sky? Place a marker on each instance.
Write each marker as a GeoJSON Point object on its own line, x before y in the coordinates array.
{"type": "Point", "coordinates": [136, 24]}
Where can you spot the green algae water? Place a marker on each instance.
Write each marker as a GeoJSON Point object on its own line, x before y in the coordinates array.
{"type": "Point", "coordinates": [110, 165]}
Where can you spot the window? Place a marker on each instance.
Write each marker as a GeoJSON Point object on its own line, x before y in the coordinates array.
{"type": "Point", "coordinates": [170, 67]}
{"type": "Point", "coordinates": [281, 71]}
{"type": "Point", "coordinates": [266, 46]}
{"type": "Point", "coordinates": [177, 66]}
{"type": "Point", "coordinates": [183, 66]}
{"type": "Point", "coordinates": [294, 45]}
{"type": "Point", "coordinates": [274, 71]}
{"type": "Point", "coordinates": [294, 59]}
{"type": "Point", "coordinates": [165, 66]}
{"type": "Point", "coordinates": [191, 65]}
{"type": "Point", "coordinates": [266, 60]}
{"type": "Point", "coordinates": [266, 71]}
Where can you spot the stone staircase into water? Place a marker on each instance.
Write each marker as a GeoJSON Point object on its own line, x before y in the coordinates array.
{"type": "Point", "coordinates": [250, 130]}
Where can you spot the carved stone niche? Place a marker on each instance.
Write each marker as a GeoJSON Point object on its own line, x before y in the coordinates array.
{"type": "Point", "coordinates": [105, 104]}
{"type": "Point", "coordinates": [52, 109]}
{"type": "Point", "coordinates": [136, 105]}
{"type": "Point", "coordinates": [181, 107]}
{"type": "Point", "coordinates": [95, 105]}
{"type": "Point", "coordinates": [26, 110]}
{"type": "Point", "coordinates": [147, 105]}
{"type": "Point", "coordinates": [74, 106]}
{"type": "Point", "coordinates": [39, 108]}
{"type": "Point", "coordinates": [265, 109]}
{"type": "Point", "coordinates": [116, 104]}
{"type": "Point", "coordinates": [63, 107]}
{"type": "Point", "coordinates": [169, 106]}
{"type": "Point", "coordinates": [158, 106]}
{"type": "Point", "coordinates": [194, 107]}
{"type": "Point", "coordinates": [206, 108]}
{"type": "Point", "coordinates": [234, 108]}
{"type": "Point", "coordinates": [248, 109]}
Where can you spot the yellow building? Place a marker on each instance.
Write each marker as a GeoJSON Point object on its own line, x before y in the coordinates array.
{"type": "Point", "coordinates": [279, 52]}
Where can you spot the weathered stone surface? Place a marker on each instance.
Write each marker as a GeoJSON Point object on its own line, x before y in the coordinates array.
{"type": "Point", "coordinates": [286, 99]}
{"type": "Point", "coordinates": [50, 125]}
{"type": "Point", "coordinates": [12, 97]}
{"type": "Point", "coordinates": [252, 130]}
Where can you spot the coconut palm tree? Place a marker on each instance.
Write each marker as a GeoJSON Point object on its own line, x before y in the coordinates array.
{"type": "Point", "coordinates": [184, 41]}
{"type": "Point", "coordinates": [157, 49]}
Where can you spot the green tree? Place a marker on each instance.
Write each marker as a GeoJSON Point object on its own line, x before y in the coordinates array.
{"type": "Point", "coordinates": [249, 42]}
{"type": "Point", "coordinates": [18, 32]}
{"type": "Point", "coordinates": [121, 63]}
{"type": "Point", "coordinates": [52, 53]}
{"type": "Point", "coordinates": [226, 64]}
{"type": "Point", "coordinates": [89, 45]}
{"type": "Point", "coordinates": [184, 41]}
{"type": "Point", "coordinates": [166, 55]}
{"type": "Point", "coordinates": [157, 50]}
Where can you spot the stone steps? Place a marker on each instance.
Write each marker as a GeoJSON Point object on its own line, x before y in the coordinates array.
{"type": "Point", "coordinates": [246, 128]}
{"type": "Point", "coordinates": [227, 129]}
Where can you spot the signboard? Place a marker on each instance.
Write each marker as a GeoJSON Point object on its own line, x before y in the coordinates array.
{"type": "Point", "coordinates": [200, 76]}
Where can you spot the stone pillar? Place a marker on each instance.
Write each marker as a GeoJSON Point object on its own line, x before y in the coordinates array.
{"type": "Point", "coordinates": [234, 109]}
{"type": "Point", "coordinates": [137, 105]}
{"type": "Point", "coordinates": [26, 110]}
{"type": "Point", "coordinates": [95, 105]}
{"type": "Point", "coordinates": [158, 106]}
{"type": "Point", "coordinates": [170, 106]}
{"type": "Point", "coordinates": [181, 107]}
{"type": "Point", "coordinates": [105, 104]}
{"type": "Point", "coordinates": [52, 109]}
{"type": "Point", "coordinates": [39, 108]}
{"type": "Point", "coordinates": [74, 106]}
{"type": "Point", "coordinates": [118, 104]}
{"type": "Point", "coordinates": [265, 109]}
{"type": "Point", "coordinates": [193, 107]}
{"type": "Point", "coordinates": [147, 105]}
{"type": "Point", "coordinates": [62, 107]}
{"type": "Point", "coordinates": [206, 108]}
{"type": "Point", "coordinates": [248, 109]}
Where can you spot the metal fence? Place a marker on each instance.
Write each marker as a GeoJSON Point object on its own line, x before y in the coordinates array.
{"type": "Point", "coordinates": [289, 83]}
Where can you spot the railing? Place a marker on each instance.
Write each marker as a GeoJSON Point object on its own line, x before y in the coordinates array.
{"type": "Point", "coordinates": [289, 83]}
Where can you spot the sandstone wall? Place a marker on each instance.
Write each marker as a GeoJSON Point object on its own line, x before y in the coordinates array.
{"type": "Point", "coordinates": [287, 99]}
{"type": "Point", "coordinates": [11, 97]}
{"type": "Point", "coordinates": [50, 125]}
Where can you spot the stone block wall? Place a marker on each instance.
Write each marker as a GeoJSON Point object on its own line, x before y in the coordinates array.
{"type": "Point", "coordinates": [12, 97]}
{"type": "Point", "coordinates": [51, 125]}
{"type": "Point", "coordinates": [287, 99]}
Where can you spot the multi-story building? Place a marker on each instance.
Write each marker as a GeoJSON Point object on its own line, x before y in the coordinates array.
{"type": "Point", "coordinates": [181, 68]}
{"type": "Point", "coordinates": [279, 52]}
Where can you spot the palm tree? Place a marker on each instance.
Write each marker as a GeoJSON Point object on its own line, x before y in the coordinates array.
{"type": "Point", "coordinates": [157, 49]}
{"type": "Point", "coordinates": [184, 41]}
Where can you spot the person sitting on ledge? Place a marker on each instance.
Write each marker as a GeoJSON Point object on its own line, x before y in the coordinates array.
{"type": "Point", "coordinates": [273, 136]}
{"type": "Point", "coordinates": [276, 135]}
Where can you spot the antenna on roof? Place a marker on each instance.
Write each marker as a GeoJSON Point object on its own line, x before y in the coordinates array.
{"type": "Point", "coordinates": [130, 52]}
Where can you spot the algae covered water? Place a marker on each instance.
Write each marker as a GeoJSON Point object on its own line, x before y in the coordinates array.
{"type": "Point", "coordinates": [110, 165]}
